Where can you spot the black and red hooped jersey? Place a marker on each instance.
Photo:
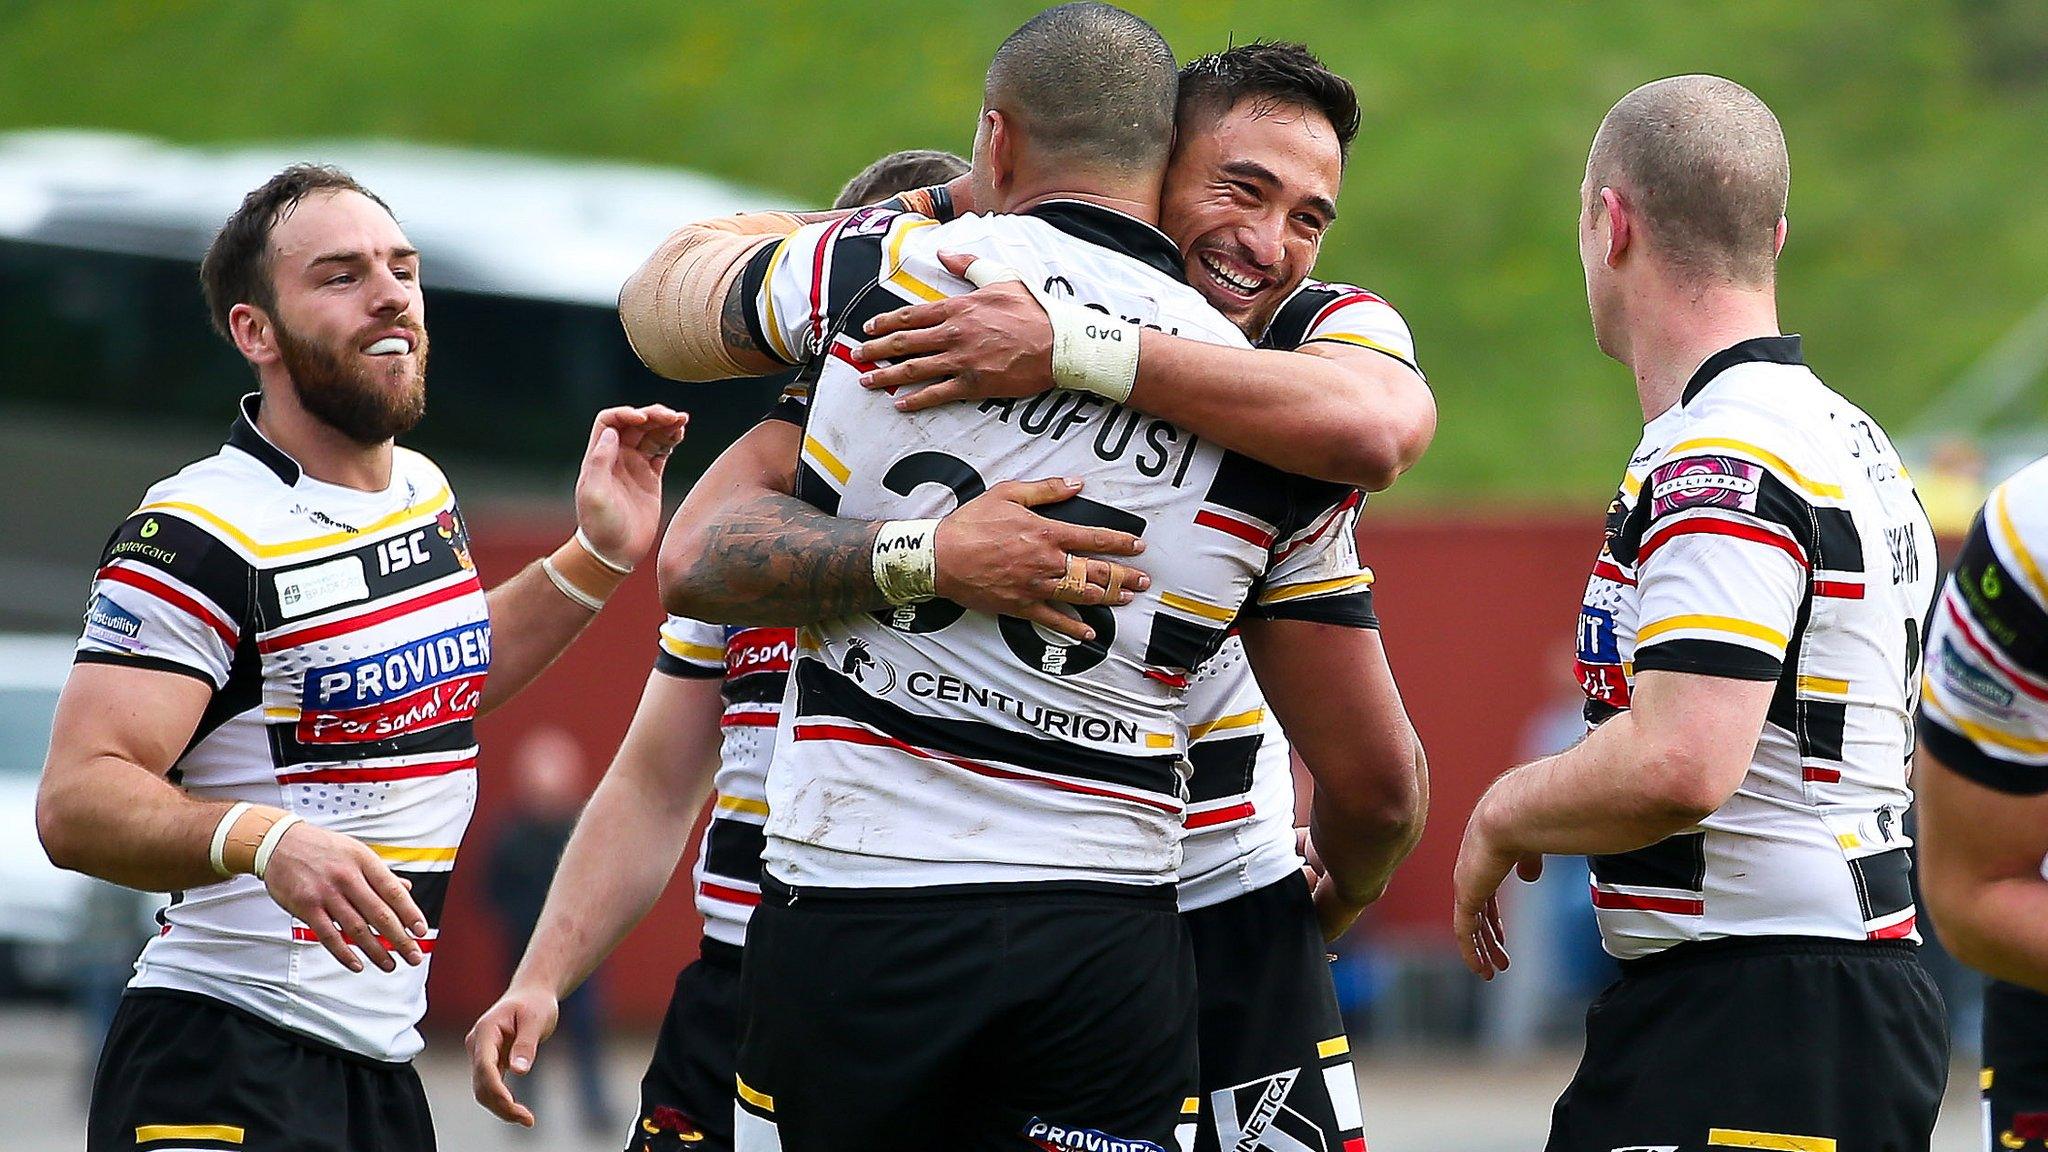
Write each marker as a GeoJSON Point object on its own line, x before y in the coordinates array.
{"type": "Point", "coordinates": [1766, 530]}
{"type": "Point", "coordinates": [345, 640]}
{"type": "Point", "coordinates": [753, 664]}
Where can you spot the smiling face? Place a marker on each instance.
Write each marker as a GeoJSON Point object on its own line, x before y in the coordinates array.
{"type": "Point", "coordinates": [347, 319]}
{"type": "Point", "coordinates": [1248, 200]}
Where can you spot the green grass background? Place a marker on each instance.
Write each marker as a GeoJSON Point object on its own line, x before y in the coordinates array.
{"type": "Point", "coordinates": [1919, 212]}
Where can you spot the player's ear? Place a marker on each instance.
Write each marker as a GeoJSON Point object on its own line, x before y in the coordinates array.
{"type": "Point", "coordinates": [1620, 232]}
{"type": "Point", "coordinates": [1002, 148]}
{"type": "Point", "coordinates": [1778, 236]}
{"type": "Point", "coordinates": [254, 334]}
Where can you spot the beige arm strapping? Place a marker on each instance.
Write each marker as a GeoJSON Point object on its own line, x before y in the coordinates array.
{"type": "Point", "coordinates": [671, 306]}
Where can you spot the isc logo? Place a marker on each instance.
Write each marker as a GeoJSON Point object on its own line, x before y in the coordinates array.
{"type": "Point", "coordinates": [402, 552]}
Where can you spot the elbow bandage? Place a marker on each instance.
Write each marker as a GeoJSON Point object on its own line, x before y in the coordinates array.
{"type": "Point", "coordinates": [670, 307]}
{"type": "Point", "coordinates": [1092, 351]}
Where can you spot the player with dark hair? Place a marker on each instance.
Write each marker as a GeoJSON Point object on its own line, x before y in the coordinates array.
{"type": "Point", "coordinates": [940, 683]}
{"type": "Point", "coordinates": [1263, 130]}
{"type": "Point", "coordinates": [1749, 646]}
{"type": "Point", "coordinates": [272, 713]}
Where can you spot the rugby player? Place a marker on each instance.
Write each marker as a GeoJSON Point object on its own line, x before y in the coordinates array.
{"type": "Point", "coordinates": [1982, 778]}
{"type": "Point", "coordinates": [1262, 132]}
{"type": "Point", "coordinates": [1749, 649]}
{"type": "Point", "coordinates": [272, 712]}
{"type": "Point", "coordinates": [710, 705]}
{"type": "Point", "coordinates": [891, 823]}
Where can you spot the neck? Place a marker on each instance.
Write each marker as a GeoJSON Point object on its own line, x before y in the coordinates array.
{"type": "Point", "coordinates": [1132, 197]}
{"type": "Point", "coordinates": [1675, 335]}
{"type": "Point", "coordinates": [322, 452]}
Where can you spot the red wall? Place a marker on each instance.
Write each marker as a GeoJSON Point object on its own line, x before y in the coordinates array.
{"type": "Point", "coordinates": [1475, 612]}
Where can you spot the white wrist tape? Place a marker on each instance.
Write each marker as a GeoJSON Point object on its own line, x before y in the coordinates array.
{"type": "Point", "coordinates": [617, 568]}
{"type": "Point", "coordinates": [562, 585]}
{"type": "Point", "coordinates": [1092, 351]}
{"type": "Point", "coordinates": [906, 562]}
{"type": "Point", "coordinates": [269, 844]}
{"type": "Point", "coordinates": [220, 837]}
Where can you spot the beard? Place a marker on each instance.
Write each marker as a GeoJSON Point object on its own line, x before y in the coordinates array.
{"type": "Point", "coordinates": [352, 398]}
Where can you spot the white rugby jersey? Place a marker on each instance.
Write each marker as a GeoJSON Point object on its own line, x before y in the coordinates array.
{"type": "Point", "coordinates": [1765, 530]}
{"type": "Point", "coordinates": [754, 664]}
{"type": "Point", "coordinates": [1240, 819]}
{"type": "Point", "coordinates": [1984, 709]}
{"type": "Point", "coordinates": [346, 640]}
{"type": "Point", "coordinates": [929, 745]}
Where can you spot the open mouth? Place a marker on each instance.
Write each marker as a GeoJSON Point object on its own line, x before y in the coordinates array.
{"type": "Point", "coordinates": [1242, 285]}
{"type": "Point", "coordinates": [390, 346]}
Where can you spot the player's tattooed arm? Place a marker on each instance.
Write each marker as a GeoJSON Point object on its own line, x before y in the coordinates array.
{"type": "Point", "coordinates": [771, 558]}
{"type": "Point", "coordinates": [743, 550]}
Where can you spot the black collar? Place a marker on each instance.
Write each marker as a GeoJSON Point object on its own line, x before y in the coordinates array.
{"type": "Point", "coordinates": [1109, 228]}
{"type": "Point", "coordinates": [248, 438]}
{"type": "Point", "coordinates": [1756, 350]}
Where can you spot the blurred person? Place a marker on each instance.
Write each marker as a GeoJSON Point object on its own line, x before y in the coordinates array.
{"type": "Point", "coordinates": [1951, 485]}
{"type": "Point", "coordinates": [548, 791]}
{"type": "Point", "coordinates": [898, 173]}
{"type": "Point", "coordinates": [1983, 784]}
{"type": "Point", "coordinates": [271, 716]}
{"type": "Point", "coordinates": [1263, 130]}
{"type": "Point", "coordinates": [1073, 223]}
{"type": "Point", "coordinates": [1749, 646]}
{"type": "Point", "coordinates": [710, 706]}
{"type": "Point", "coordinates": [1559, 966]}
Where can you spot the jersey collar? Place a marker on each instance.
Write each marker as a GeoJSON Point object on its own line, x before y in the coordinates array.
{"type": "Point", "coordinates": [1756, 350]}
{"type": "Point", "coordinates": [247, 437]}
{"type": "Point", "coordinates": [1117, 231]}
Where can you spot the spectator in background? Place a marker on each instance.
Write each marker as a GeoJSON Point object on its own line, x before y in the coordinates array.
{"type": "Point", "coordinates": [548, 776]}
{"type": "Point", "coordinates": [1560, 964]}
{"type": "Point", "coordinates": [1951, 486]}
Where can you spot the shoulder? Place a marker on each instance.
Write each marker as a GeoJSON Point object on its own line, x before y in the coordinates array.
{"type": "Point", "coordinates": [1323, 310]}
{"type": "Point", "coordinates": [419, 470]}
{"type": "Point", "coordinates": [1749, 434]}
{"type": "Point", "coordinates": [2014, 523]}
{"type": "Point", "coordinates": [216, 505]}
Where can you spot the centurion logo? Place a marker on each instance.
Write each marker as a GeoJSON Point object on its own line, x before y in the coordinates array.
{"type": "Point", "coordinates": [423, 684]}
{"type": "Point", "coordinates": [1054, 1138]}
{"type": "Point", "coordinates": [1051, 721]}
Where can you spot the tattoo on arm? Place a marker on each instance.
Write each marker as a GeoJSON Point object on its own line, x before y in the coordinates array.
{"type": "Point", "coordinates": [776, 560]}
{"type": "Point", "coordinates": [732, 322]}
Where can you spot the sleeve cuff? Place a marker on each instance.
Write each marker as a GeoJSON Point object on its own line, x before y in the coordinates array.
{"type": "Point", "coordinates": [1963, 756]}
{"type": "Point", "coordinates": [153, 663]}
{"type": "Point", "coordinates": [669, 664]}
{"type": "Point", "coordinates": [1709, 658]}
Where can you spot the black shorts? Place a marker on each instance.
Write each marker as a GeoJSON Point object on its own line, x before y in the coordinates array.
{"type": "Point", "coordinates": [2015, 1077]}
{"type": "Point", "coordinates": [1274, 1054]}
{"type": "Point", "coordinates": [185, 1071]}
{"type": "Point", "coordinates": [686, 1096]}
{"type": "Point", "coordinates": [1016, 1017]}
{"type": "Point", "coordinates": [1763, 1042]}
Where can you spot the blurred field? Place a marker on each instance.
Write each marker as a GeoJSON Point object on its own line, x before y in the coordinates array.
{"type": "Point", "coordinates": [1918, 230]}
{"type": "Point", "coordinates": [1415, 1101]}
